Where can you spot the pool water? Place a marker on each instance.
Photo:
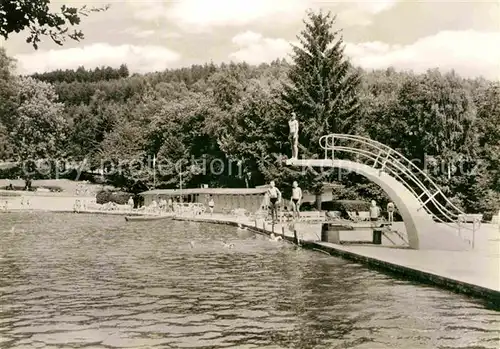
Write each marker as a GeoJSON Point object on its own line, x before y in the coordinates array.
{"type": "Point", "coordinates": [95, 281]}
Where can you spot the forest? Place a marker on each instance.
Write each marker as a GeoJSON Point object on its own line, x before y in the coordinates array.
{"type": "Point", "coordinates": [226, 125]}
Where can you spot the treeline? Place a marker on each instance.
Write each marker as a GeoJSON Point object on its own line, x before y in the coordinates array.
{"type": "Point", "coordinates": [83, 75]}
{"type": "Point", "coordinates": [227, 125]}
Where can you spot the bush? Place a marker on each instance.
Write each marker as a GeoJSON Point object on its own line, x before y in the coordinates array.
{"type": "Point", "coordinates": [488, 216]}
{"type": "Point", "coordinates": [52, 188]}
{"type": "Point", "coordinates": [118, 197]}
{"type": "Point", "coordinates": [347, 206]}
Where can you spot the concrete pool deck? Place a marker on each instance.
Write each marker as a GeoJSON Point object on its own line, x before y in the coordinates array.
{"type": "Point", "coordinates": [475, 272]}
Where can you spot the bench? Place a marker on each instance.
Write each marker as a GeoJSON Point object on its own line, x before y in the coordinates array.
{"type": "Point", "coordinates": [470, 218]}
{"type": "Point", "coordinates": [359, 217]}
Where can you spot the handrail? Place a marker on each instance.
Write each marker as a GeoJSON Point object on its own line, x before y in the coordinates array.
{"type": "Point", "coordinates": [409, 187]}
{"type": "Point", "coordinates": [389, 149]}
{"type": "Point", "coordinates": [389, 156]}
{"type": "Point", "coordinates": [404, 170]}
{"type": "Point", "coordinates": [391, 159]}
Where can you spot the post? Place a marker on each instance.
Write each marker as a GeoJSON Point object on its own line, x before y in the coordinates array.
{"type": "Point", "coordinates": [324, 232]}
{"type": "Point", "coordinates": [154, 170]}
{"type": "Point", "coordinates": [333, 148]}
{"type": "Point", "coordinates": [295, 237]}
{"type": "Point", "coordinates": [180, 185]}
{"type": "Point", "coordinates": [330, 233]}
{"type": "Point", "coordinates": [385, 161]}
{"type": "Point", "coordinates": [377, 236]}
{"type": "Point", "coordinates": [498, 219]}
{"type": "Point", "coordinates": [473, 237]}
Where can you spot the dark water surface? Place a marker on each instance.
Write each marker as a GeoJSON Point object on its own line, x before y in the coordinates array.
{"type": "Point", "coordinates": [82, 281]}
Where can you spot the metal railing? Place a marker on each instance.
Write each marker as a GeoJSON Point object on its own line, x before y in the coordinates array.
{"type": "Point", "coordinates": [384, 158]}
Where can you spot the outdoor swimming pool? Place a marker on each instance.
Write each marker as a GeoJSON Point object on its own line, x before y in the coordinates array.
{"type": "Point", "coordinates": [70, 281]}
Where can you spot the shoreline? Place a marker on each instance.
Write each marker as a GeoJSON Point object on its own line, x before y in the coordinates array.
{"type": "Point", "coordinates": [381, 264]}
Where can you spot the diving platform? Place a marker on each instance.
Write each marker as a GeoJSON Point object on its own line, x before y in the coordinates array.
{"type": "Point", "coordinates": [403, 182]}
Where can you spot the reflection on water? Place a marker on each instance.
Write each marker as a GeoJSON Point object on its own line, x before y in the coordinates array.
{"type": "Point", "coordinates": [75, 281]}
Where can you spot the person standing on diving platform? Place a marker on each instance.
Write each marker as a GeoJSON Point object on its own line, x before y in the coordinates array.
{"type": "Point", "coordinates": [274, 200]}
{"type": "Point", "coordinates": [293, 124]}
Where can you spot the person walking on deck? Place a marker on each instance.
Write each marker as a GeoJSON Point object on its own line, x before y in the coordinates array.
{"type": "Point", "coordinates": [211, 204]}
{"type": "Point", "coordinates": [274, 200]}
{"type": "Point", "coordinates": [293, 124]}
{"type": "Point", "coordinates": [296, 200]}
{"type": "Point", "coordinates": [374, 212]}
{"type": "Point", "coordinates": [390, 212]}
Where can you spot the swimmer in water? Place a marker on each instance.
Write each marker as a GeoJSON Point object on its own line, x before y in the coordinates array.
{"type": "Point", "coordinates": [275, 238]}
{"type": "Point", "coordinates": [191, 244]}
{"type": "Point", "coordinates": [226, 245]}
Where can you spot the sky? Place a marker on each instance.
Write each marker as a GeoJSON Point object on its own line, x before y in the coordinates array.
{"type": "Point", "coordinates": [154, 35]}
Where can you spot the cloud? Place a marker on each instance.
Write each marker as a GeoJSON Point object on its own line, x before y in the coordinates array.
{"type": "Point", "coordinates": [375, 6]}
{"type": "Point", "coordinates": [247, 38]}
{"type": "Point", "coordinates": [470, 53]}
{"type": "Point", "coordinates": [253, 48]}
{"type": "Point", "coordinates": [148, 33]}
{"type": "Point", "coordinates": [197, 15]}
{"type": "Point", "coordinates": [362, 13]}
{"type": "Point", "coordinates": [138, 58]}
{"type": "Point", "coordinates": [202, 15]}
{"type": "Point", "coordinates": [138, 33]}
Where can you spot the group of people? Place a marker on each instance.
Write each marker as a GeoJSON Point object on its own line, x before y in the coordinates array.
{"type": "Point", "coordinates": [375, 211]}
{"type": "Point", "coordinates": [162, 205]}
{"type": "Point", "coordinates": [168, 205]}
{"type": "Point", "coordinates": [275, 198]}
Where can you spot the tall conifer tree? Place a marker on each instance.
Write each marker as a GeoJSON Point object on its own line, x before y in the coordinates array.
{"type": "Point", "coordinates": [322, 89]}
{"type": "Point", "coordinates": [323, 86]}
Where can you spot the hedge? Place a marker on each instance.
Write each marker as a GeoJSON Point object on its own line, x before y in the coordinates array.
{"type": "Point", "coordinates": [118, 197]}
{"type": "Point", "coordinates": [52, 188]}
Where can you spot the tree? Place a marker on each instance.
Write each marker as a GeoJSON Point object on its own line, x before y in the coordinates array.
{"type": "Point", "coordinates": [7, 65]}
{"type": "Point", "coordinates": [439, 116]}
{"type": "Point", "coordinates": [322, 88]}
{"type": "Point", "coordinates": [178, 137]}
{"type": "Point", "coordinates": [123, 149]}
{"type": "Point", "coordinates": [38, 129]}
{"type": "Point", "coordinates": [36, 16]}
{"type": "Point", "coordinates": [252, 131]}
{"type": "Point", "coordinates": [484, 193]}
{"type": "Point", "coordinates": [7, 106]}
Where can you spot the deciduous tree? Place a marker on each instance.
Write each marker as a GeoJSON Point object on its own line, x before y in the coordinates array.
{"type": "Point", "coordinates": [37, 17]}
{"type": "Point", "coordinates": [39, 128]}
